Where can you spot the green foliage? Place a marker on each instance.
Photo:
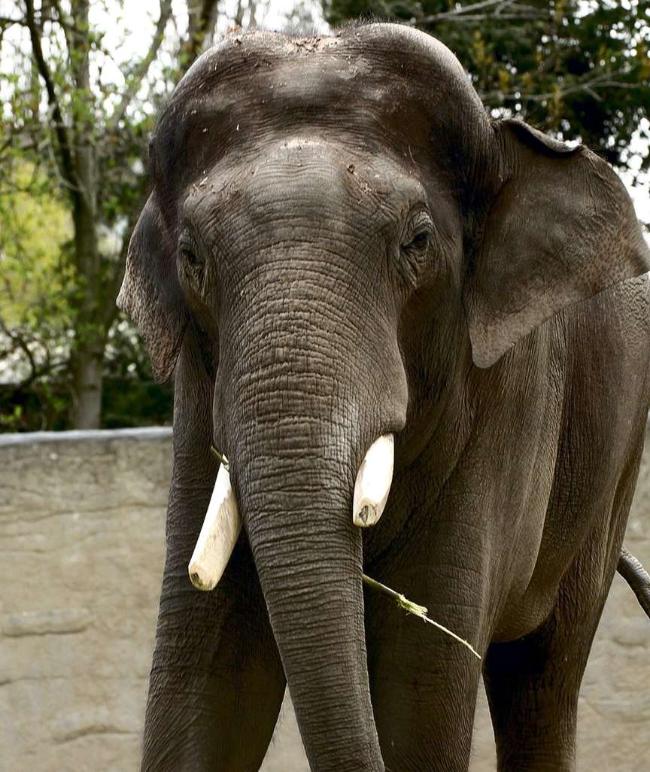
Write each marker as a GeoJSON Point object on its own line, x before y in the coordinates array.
{"type": "Point", "coordinates": [71, 187]}
{"type": "Point", "coordinates": [79, 94]}
{"type": "Point", "coordinates": [130, 396]}
{"type": "Point", "coordinates": [575, 68]}
{"type": "Point", "coordinates": [72, 146]}
{"type": "Point", "coordinates": [36, 285]}
{"type": "Point", "coordinates": [45, 404]}
{"type": "Point", "coordinates": [37, 313]}
{"type": "Point", "coordinates": [132, 402]}
{"type": "Point", "coordinates": [35, 232]}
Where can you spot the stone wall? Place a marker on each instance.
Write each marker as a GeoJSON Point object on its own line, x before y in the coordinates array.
{"type": "Point", "coordinates": [81, 550]}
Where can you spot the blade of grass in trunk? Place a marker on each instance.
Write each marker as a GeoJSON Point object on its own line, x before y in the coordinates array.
{"type": "Point", "coordinates": [417, 610]}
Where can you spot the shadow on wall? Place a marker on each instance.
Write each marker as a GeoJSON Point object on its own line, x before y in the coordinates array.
{"type": "Point", "coordinates": [82, 539]}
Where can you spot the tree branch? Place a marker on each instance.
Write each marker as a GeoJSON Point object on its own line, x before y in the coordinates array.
{"type": "Point", "coordinates": [65, 23]}
{"type": "Point", "coordinates": [6, 21]}
{"type": "Point", "coordinates": [504, 10]}
{"type": "Point", "coordinates": [141, 70]}
{"type": "Point", "coordinates": [589, 85]}
{"type": "Point", "coordinates": [201, 15]}
{"type": "Point", "coordinates": [417, 610]}
{"type": "Point", "coordinates": [19, 342]}
{"type": "Point", "coordinates": [66, 161]}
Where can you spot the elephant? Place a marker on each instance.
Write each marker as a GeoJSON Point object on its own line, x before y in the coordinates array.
{"type": "Point", "coordinates": [343, 252]}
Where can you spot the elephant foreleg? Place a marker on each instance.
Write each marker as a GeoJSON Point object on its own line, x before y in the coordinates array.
{"type": "Point", "coordinates": [216, 682]}
{"type": "Point", "coordinates": [533, 683]}
{"type": "Point", "coordinates": [424, 684]}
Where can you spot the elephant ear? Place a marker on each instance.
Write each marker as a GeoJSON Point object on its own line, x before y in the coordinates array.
{"type": "Point", "coordinates": [561, 229]}
{"type": "Point", "coordinates": [151, 294]}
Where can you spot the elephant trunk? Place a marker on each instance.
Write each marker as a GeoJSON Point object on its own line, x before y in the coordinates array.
{"type": "Point", "coordinates": [295, 442]}
{"type": "Point", "coordinates": [303, 390]}
{"type": "Point", "coordinates": [308, 554]}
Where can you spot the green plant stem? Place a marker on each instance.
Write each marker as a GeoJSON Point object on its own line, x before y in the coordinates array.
{"type": "Point", "coordinates": [417, 610]}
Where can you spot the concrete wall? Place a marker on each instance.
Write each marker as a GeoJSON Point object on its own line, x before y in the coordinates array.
{"type": "Point", "coordinates": [81, 550]}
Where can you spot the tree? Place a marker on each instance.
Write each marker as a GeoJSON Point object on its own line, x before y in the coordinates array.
{"type": "Point", "coordinates": [86, 132]}
{"type": "Point", "coordinates": [35, 286]}
{"type": "Point", "coordinates": [579, 69]}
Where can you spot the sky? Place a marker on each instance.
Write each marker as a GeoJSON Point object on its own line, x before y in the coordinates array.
{"type": "Point", "coordinates": [139, 18]}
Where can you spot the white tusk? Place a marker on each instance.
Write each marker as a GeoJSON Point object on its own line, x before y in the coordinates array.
{"type": "Point", "coordinates": [373, 482]}
{"type": "Point", "coordinates": [218, 536]}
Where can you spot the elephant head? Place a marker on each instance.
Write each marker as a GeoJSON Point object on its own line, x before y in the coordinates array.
{"type": "Point", "coordinates": [343, 228]}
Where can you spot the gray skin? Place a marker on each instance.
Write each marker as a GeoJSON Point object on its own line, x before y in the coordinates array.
{"type": "Point", "coordinates": [339, 244]}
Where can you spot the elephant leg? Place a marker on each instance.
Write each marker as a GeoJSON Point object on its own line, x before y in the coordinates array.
{"type": "Point", "coordinates": [216, 681]}
{"type": "Point", "coordinates": [533, 683]}
{"type": "Point", "coordinates": [424, 686]}
{"type": "Point", "coordinates": [423, 702]}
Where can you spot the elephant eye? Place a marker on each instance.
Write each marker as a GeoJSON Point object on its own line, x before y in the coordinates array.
{"type": "Point", "coordinates": [191, 264]}
{"type": "Point", "coordinates": [189, 254]}
{"type": "Point", "coordinates": [420, 235]}
{"type": "Point", "coordinates": [189, 257]}
{"type": "Point", "coordinates": [419, 242]}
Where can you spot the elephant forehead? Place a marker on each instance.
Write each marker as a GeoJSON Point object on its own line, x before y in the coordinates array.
{"type": "Point", "coordinates": [356, 88]}
{"type": "Point", "coordinates": [303, 180]}
{"type": "Point", "coordinates": [355, 69]}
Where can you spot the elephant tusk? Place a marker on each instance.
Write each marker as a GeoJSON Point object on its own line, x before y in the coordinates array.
{"type": "Point", "coordinates": [373, 482]}
{"type": "Point", "coordinates": [218, 536]}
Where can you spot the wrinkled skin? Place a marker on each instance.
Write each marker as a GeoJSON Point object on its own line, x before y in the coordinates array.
{"type": "Point", "coordinates": [340, 244]}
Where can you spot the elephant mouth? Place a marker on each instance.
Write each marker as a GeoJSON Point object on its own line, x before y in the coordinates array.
{"type": "Point", "coordinates": [223, 523]}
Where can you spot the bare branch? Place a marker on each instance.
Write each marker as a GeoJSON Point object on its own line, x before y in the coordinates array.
{"type": "Point", "coordinates": [201, 15]}
{"type": "Point", "coordinates": [504, 10]}
{"type": "Point", "coordinates": [239, 14]}
{"type": "Point", "coordinates": [589, 85]}
{"type": "Point", "coordinates": [65, 23]}
{"type": "Point", "coordinates": [65, 162]}
{"type": "Point", "coordinates": [252, 8]}
{"type": "Point", "coordinates": [471, 8]}
{"type": "Point", "coordinates": [20, 343]}
{"type": "Point", "coordinates": [211, 25]}
{"type": "Point", "coordinates": [135, 78]}
{"type": "Point", "coordinates": [6, 21]}
{"type": "Point", "coordinates": [419, 611]}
